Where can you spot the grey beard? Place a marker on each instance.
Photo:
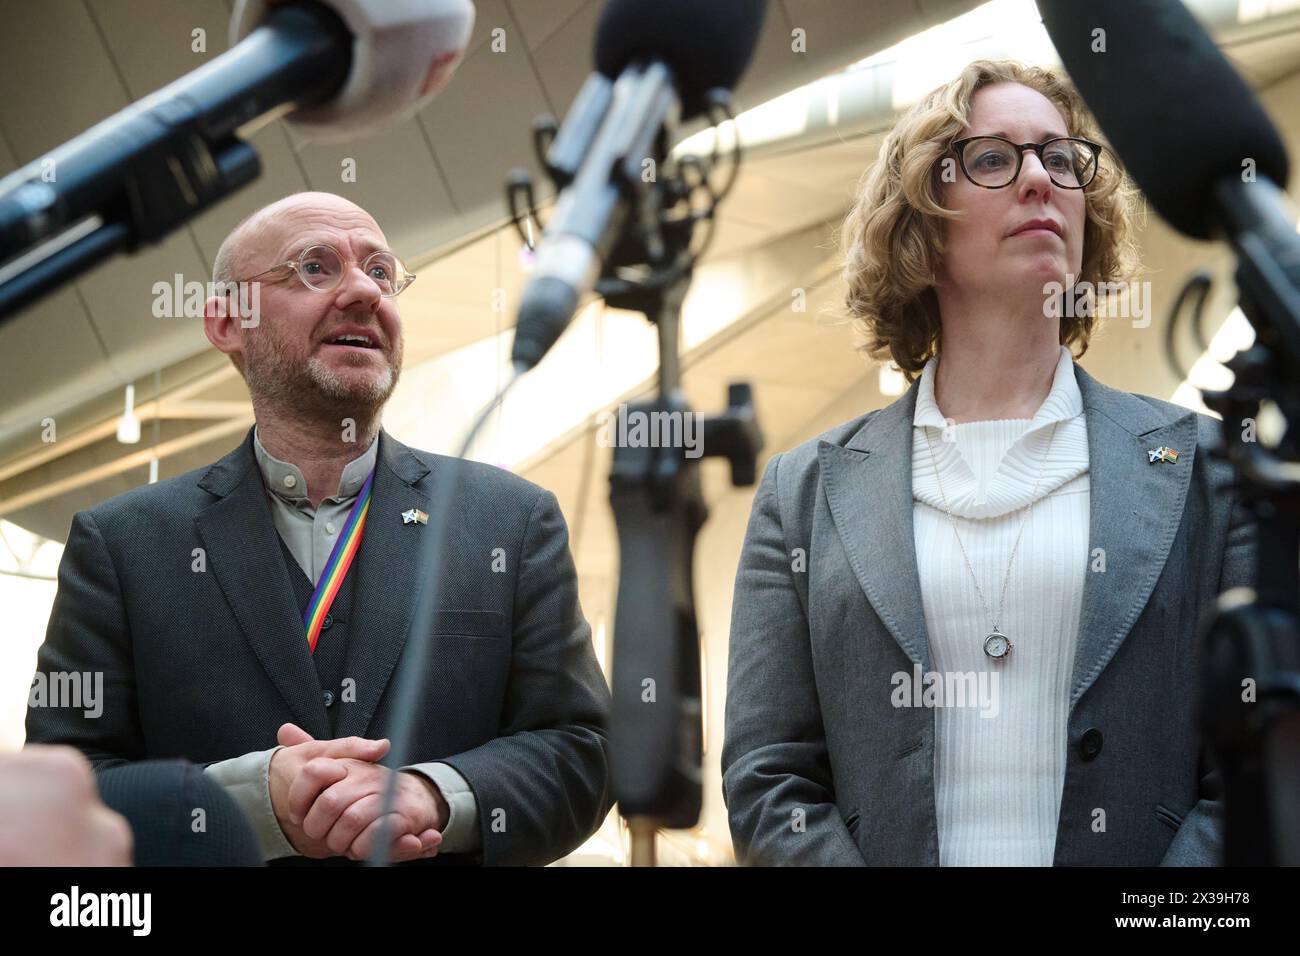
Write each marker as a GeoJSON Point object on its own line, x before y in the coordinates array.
{"type": "Point", "coordinates": [374, 393]}
{"type": "Point", "coordinates": [286, 386]}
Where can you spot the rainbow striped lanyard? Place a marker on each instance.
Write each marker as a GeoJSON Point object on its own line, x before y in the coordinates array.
{"type": "Point", "coordinates": [336, 569]}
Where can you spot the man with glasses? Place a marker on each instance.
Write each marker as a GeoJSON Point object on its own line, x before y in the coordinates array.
{"type": "Point", "coordinates": [266, 600]}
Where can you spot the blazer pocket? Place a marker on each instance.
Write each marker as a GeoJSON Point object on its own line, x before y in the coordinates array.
{"type": "Point", "coordinates": [470, 624]}
{"type": "Point", "coordinates": [1168, 817]}
{"type": "Point", "coordinates": [852, 821]}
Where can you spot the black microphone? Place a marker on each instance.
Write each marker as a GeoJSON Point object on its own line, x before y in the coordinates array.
{"type": "Point", "coordinates": [1181, 118]}
{"type": "Point", "coordinates": [294, 57]}
{"type": "Point", "coordinates": [334, 70]}
{"type": "Point", "coordinates": [656, 61]}
{"type": "Point", "coordinates": [707, 45]}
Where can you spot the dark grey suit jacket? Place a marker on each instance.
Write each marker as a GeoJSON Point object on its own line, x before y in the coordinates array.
{"type": "Point", "coordinates": [805, 730]}
{"type": "Point", "coordinates": [207, 665]}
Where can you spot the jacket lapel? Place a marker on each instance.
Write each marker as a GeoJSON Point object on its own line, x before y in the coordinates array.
{"type": "Point", "coordinates": [868, 485]}
{"type": "Point", "coordinates": [1135, 510]}
{"type": "Point", "coordinates": [387, 588]}
{"type": "Point", "coordinates": [243, 552]}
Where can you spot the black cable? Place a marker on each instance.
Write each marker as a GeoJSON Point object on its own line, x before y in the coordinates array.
{"type": "Point", "coordinates": [411, 679]}
{"type": "Point", "coordinates": [1198, 283]}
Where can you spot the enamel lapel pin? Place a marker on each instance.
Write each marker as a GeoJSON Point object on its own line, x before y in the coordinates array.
{"type": "Point", "coordinates": [1163, 453]}
{"type": "Point", "coordinates": [414, 516]}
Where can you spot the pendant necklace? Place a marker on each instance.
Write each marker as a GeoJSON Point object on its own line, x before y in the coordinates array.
{"type": "Point", "coordinates": [997, 645]}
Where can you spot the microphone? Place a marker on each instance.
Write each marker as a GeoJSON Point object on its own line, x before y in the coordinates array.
{"type": "Point", "coordinates": [657, 62]}
{"type": "Point", "coordinates": [337, 69]}
{"type": "Point", "coordinates": [707, 45]}
{"type": "Point", "coordinates": [403, 53]}
{"type": "Point", "coordinates": [1184, 122]}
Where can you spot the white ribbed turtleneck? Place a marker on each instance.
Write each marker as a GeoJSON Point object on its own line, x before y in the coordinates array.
{"type": "Point", "coordinates": [998, 778]}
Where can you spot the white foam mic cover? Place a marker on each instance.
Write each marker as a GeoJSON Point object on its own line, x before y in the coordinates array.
{"type": "Point", "coordinates": [403, 53]}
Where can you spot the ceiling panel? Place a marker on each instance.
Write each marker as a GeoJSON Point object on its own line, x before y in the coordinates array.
{"type": "Point", "coordinates": [837, 33]}
{"type": "Point", "coordinates": [1266, 60]}
{"type": "Point", "coordinates": [539, 21]}
{"type": "Point", "coordinates": [565, 60]}
{"type": "Point", "coordinates": [68, 82]}
{"type": "Point", "coordinates": [397, 182]}
{"type": "Point", "coordinates": [470, 276]}
{"type": "Point", "coordinates": [760, 200]}
{"type": "Point", "coordinates": [736, 235]}
{"type": "Point", "coordinates": [151, 40]}
{"type": "Point", "coordinates": [488, 15]}
{"type": "Point", "coordinates": [48, 362]}
{"type": "Point", "coordinates": [8, 162]}
{"type": "Point", "coordinates": [120, 297]}
{"type": "Point", "coordinates": [478, 132]}
{"type": "Point", "coordinates": [788, 344]}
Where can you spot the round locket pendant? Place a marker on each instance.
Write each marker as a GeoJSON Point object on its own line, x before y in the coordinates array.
{"type": "Point", "coordinates": [997, 645]}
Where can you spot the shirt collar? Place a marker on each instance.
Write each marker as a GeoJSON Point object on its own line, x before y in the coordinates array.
{"type": "Point", "coordinates": [285, 480]}
{"type": "Point", "coordinates": [1063, 402]}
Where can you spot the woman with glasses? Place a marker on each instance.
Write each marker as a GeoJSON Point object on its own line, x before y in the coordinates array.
{"type": "Point", "coordinates": [964, 625]}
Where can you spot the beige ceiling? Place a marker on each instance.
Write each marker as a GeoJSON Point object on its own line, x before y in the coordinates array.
{"type": "Point", "coordinates": [435, 184]}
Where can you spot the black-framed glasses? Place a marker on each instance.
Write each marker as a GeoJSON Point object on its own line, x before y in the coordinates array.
{"type": "Point", "coordinates": [321, 268]}
{"type": "Point", "coordinates": [994, 161]}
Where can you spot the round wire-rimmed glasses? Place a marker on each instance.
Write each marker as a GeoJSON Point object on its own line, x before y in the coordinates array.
{"type": "Point", "coordinates": [321, 267]}
{"type": "Point", "coordinates": [994, 162]}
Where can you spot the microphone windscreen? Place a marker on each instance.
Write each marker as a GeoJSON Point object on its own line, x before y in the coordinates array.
{"type": "Point", "coordinates": [707, 43]}
{"type": "Point", "coordinates": [1177, 113]}
{"type": "Point", "coordinates": [403, 54]}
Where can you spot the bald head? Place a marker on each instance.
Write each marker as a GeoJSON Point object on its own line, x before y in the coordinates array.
{"type": "Point", "coordinates": [250, 246]}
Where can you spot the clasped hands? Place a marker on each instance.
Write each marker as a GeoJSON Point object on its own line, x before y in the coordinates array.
{"type": "Point", "coordinates": [328, 798]}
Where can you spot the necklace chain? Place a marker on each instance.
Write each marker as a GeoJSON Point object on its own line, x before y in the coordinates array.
{"type": "Point", "coordinates": [1006, 577]}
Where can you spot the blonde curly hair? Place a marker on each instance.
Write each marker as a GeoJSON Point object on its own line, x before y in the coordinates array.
{"type": "Point", "coordinates": [893, 237]}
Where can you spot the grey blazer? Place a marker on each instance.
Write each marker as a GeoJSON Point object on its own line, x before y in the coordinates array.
{"type": "Point", "coordinates": [206, 666]}
{"type": "Point", "coordinates": [816, 770]}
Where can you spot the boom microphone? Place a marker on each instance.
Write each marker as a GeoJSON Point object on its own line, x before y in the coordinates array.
{"type": "Point", "coordinates": [1178, 114]}
{"type": "Point", "coordinates": [337, 69]}
{"type": "Point", "coordinates": [656, 60]}
{"type": "Point", "coordinates": [707, 45]}
{"type": "Point", "coordinates": [403, 53]}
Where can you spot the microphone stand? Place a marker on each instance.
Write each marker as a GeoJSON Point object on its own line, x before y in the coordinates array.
{"type": "Point", "coordinates": [656, 732]}
{"type": "Point", "coordinates": [1253, 634]}
{"type": "Point", "coordinates": [656, 728]}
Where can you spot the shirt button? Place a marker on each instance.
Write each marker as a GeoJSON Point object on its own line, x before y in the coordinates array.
{"type": "Point", "coordinates": [290, 481]}
{"type": "Point", "coordinates": [1090, 744]}
{"type": "Point", "coordinates": [329, 698]}
{"type": "Point", "coordinates": [326, 624]}
{"type": "Point", "coordinates": [329, 527]}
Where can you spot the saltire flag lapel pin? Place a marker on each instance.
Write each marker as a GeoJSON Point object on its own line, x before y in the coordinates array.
{"type": "Point", "coordinates": [414, 516]}
{"type": "Point", "coordinates": [1163, 453]}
